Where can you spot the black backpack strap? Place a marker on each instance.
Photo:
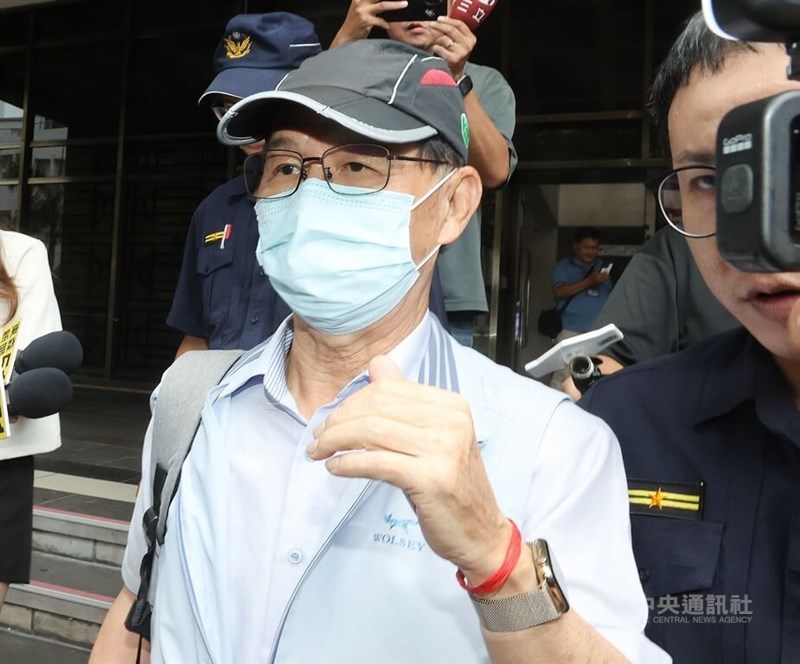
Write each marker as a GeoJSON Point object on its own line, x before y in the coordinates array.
{"type": "Point", "coordinates": [181, 398]}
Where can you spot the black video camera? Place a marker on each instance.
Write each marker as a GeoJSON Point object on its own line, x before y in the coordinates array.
{"type": "Point", "coordinates": [758, 147]}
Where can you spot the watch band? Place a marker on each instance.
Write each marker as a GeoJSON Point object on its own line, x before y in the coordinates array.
{"type": "Point", "coordinates": [513, 614]}
{"type": "Point", "coordinates": [465, 85]}
{"type": "Point", "coordinates": [541, 605]}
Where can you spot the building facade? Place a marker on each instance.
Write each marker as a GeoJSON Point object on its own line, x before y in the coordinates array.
{"type": "Point", "coordinates": [104, 154]}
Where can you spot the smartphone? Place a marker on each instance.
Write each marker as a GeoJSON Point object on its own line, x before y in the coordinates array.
{"type": "Point", "coordinates": [606, 268]}
{"type": "Point", "coordinates": [418, 10]}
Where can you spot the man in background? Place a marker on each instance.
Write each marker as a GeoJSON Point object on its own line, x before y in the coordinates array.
{"type": "Point", "coordinates": [661, 304]}
{"type": "Point", "coordinates": [581, 285]}
{"type": "Point", "coordinates": [223, 299]}
{"type": "Point", "coordinates": [490, 106]}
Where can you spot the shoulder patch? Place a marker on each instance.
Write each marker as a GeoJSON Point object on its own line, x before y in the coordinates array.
{"type": "Point", "coordinates": [683, 500]}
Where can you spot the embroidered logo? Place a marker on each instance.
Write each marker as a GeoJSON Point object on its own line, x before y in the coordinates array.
{"type": "Point", "coordinates": [237, 45]}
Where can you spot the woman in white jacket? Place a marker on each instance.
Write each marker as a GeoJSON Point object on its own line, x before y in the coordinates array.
{"type": "Point", "coordinates": [26, 295]}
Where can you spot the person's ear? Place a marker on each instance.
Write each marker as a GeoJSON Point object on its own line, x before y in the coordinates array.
{"type": "Point", "coordinates": [464, 197]}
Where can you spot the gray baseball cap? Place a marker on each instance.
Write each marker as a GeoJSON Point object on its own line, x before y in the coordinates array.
{"type": "Point", "coordinates": [378, 88]}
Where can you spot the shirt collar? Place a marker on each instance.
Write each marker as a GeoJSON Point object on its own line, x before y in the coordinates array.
{"type": "Point", "coordinates": [749, 376]}
{"type": "Point", "coordinates": [268, 360]}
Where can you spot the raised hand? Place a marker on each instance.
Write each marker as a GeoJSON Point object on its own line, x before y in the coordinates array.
{"type": "Point", "coordinates": [420, 439]}
{"type": "Point", "coordinates": [453, 42]}
{"type": "Point", "coordinates": [362, 17]}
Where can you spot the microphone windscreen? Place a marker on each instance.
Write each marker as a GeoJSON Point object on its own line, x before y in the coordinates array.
{"type": "Point", "coordinates": [39, 392]}
{"type": "Point", "coordinates": [60, 349]}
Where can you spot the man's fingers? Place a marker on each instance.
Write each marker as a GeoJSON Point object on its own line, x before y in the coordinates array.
{"type": "Point", "coordinates": [389, 5]}
{"type": "Point", "coordinates": [367, 433]}
{"type": "Point", "coordinates": [402, 429]}
{"type": "Point", "coordinates": [401, 401]}
{"type": "Point", "coordinates": [451, 27]}
{"type": "Point", "coordinates": [377, 9]}
{"type": "Point", "coordinates": [396, 469]}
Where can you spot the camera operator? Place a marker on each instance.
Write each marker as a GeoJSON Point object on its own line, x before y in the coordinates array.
{"type": "Point", "coordinates": [490, 107]}
{"type": "Point", "coordinates": [715, 429]}
{"type": "Point", "coordinates": [661, 304]}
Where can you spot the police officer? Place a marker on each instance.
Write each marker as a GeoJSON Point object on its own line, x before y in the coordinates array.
{"type": "Point", "coordinates": [711, 435]}
{"type": "Point", "coordinates": [223, 299]}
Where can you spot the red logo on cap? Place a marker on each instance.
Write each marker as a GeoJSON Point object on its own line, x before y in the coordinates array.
{"type": "Point", "coordinates": [437, 77]}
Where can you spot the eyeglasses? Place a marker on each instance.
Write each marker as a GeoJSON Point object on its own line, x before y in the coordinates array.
{"type": "Point", "coordinates": [220, 109]}
{"type": "Point", "coordinates": [352, 170]}
{"type": "Point", "coordinates": [687, 198]}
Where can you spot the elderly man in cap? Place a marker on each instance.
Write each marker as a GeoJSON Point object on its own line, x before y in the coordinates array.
{"type": "Point", "coordinates": [361, 487]}
{"type": "Point", "coordinates": [223, 299]}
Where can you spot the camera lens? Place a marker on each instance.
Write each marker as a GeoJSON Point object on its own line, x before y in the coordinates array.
{"type": "Point", "coordinates": [581, 366]}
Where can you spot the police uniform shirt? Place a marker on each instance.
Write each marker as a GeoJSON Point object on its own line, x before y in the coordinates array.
{"type": "Point", "coordinates": [222, 294]}
{"type": "Point", "coordinates": [710, 442]}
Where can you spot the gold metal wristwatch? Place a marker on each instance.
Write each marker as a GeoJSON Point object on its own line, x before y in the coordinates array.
{"type": "Point", "coordinates": [544, 604]}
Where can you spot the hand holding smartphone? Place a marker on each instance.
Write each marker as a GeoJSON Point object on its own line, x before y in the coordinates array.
{"type": "Point", "coordinates": [472, 12]}
{"type": "Point", "coordinates": [606, 268]}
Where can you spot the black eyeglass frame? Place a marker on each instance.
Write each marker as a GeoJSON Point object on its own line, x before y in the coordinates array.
{"type": "Point", "coordinates": [390, 157]}
{"type": "Point", "coordinates": [675, 171]}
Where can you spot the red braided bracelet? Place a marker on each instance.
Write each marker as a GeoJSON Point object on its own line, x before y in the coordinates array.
{"type": "Point", "coordinates": [496, 580]}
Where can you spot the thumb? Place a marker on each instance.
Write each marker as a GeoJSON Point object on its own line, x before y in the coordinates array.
{"type": "Point", "coordinates": [382, 367]}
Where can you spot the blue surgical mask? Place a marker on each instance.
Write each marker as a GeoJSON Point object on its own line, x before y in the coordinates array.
{"type": "Point", "coordinates": [341, 262]}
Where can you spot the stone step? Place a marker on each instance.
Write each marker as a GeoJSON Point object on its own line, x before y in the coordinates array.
{"type": "Point", "coordinates": [79, 536]}
{"type": "Point", "coordinates": [74, 571]}
{"type": "Point", "coordinates": [18, 648]}
{"type": "Point", "coordinates": [66, 599]}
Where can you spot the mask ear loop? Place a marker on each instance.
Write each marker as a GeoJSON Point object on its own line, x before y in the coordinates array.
{"type": "Point", "coordinates": [433, 189]}
{"type": "Point", "coordinates": [430, 193]}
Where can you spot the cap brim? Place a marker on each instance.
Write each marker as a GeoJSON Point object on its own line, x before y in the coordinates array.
{"type": "Point", "coordinates": [242, 82]}
{"type": "Point", "coordinates": [247, 120]}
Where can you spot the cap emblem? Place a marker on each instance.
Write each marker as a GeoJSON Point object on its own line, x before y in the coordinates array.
{"type": "Point", "coordinates": [465, 129]}
{"type": "Point", "coordinates": [437, 77]}
{"type": "Point", "coordinates": [237, 45]}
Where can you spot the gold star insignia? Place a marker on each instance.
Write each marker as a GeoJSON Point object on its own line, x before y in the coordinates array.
{"type": "Point", "coordinates": [657, 499]}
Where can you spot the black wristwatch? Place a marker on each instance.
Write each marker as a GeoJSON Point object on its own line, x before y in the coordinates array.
{"type": "Point", "coordinates": [465, 85]}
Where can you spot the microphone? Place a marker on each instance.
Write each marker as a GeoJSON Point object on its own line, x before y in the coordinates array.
{"type": "Point", "coordinates": [59, 350]}
{"type": "Point", "coordinates": [38, 393]}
